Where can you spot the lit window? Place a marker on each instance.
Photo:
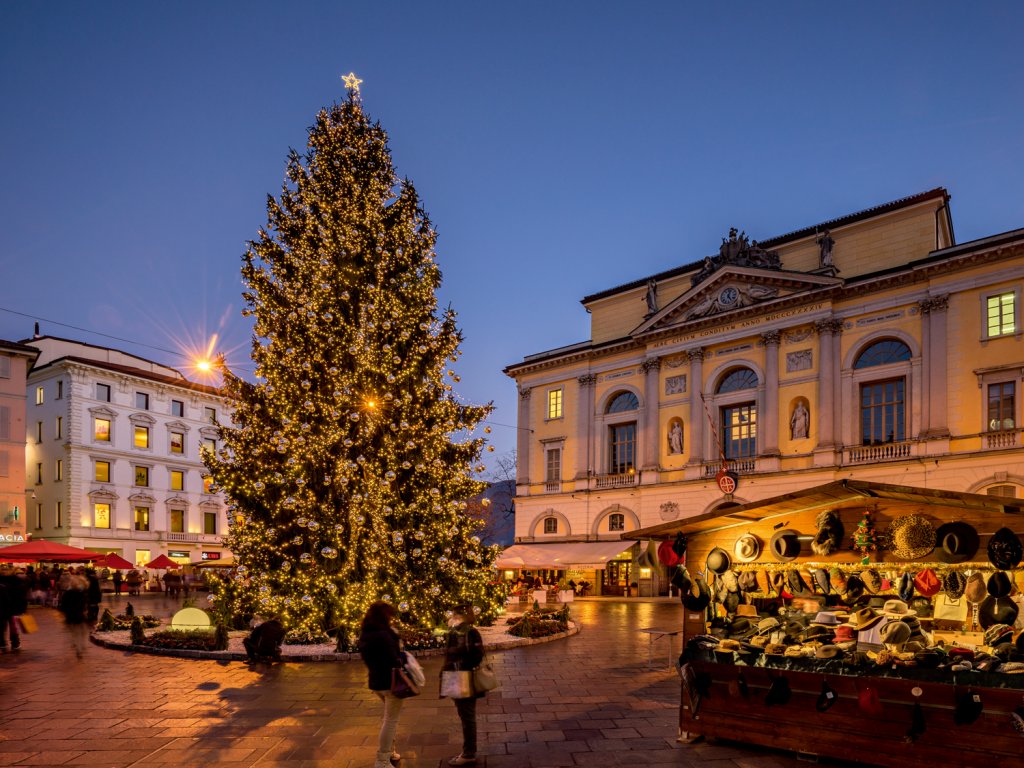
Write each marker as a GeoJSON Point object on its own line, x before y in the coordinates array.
{"type": "Point", "coordinates": [101, 515]}
{"type": "Point", "coordinates": [177, 521]}
{"type": "Point", "coordinates": [207, 484]}
{"type": "Point", "coordinates": [738, 380]}
{"type": "Point", "coordinates": [555, 404]}
{"type": "Point", "coordinates": [209, 444]}
{"type": "Point", "coordinates": [624, 401]}
{"type": "Point", "coordinates": [739, 431]}
{"type": "Point", "coordinates": [177, 408]}
{"type": "Point", "coordinates": [101, 430]}
{"type": "Point", "coordinates": [59, 428]}
{"type": "Point", "coordinates": [103, 392]}
{"type": "Point", "coordinates": [883, 353]}
{"type": "Point", "coordinates": [1002, 406]}
{"type": "Point", "coordinates": [210, 415]}
{"type": "Point", "coordinates": [58, 470]}
{"type": "Point", "coordinates": [142, 518]}
{"type": "Point", "coordinates": [142, 401]}
{"type": "Point", "coordinates": [141, 437]}
{"type": "Point", "coordinates": [177, 480]}
{"type": "Point", "coordinates": [60, 390]}
{"type": "Point", "coordinates": [102, 472]}
{"type": "Point", "coordinates": [177, 442]}
{"type": "Point", "coordinates": [616, 522]}
{"type": "Point", "coordinates": [554, 465]}
{"type": "Point", "coordinates": [1000, 314]}
{"type": "Point", "coordinates": [622, 449]}
{"type": "Point", "coordinates": [882, 412]}
{"type": "Point", "coordinates": [550, 525]}
{"type": "Point", "coordinates": [210, 523]}
{"type": "Point", "coordinates": [39, 396]}
{"type": "Point", "coordinates": [142, 477]}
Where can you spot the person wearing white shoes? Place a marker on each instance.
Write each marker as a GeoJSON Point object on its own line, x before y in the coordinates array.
{"type": "Point", "coordinates": [381, 650]}
{"type": "Point", "coordinates": [465, 651]}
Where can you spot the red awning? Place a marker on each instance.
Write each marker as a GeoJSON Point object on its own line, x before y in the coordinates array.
{"type": "Point", "coordinates": [46, 551]}
{"type": "Point", "coordinates": [162, 562]}
{"type": "Point", "coordinates": [114, 561]}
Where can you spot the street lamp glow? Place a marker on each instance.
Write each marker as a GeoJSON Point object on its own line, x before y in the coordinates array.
{"type": "Point", "coordinates": [204, 365]}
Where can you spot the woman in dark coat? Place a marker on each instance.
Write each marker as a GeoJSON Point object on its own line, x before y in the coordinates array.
{"type": "Point", "coordinates": [381, 650]}
{"type": "Point", "coordinates": [465, 650]}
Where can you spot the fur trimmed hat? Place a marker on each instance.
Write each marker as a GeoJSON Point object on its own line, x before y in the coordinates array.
{"type": "Point", "coordinates": [829, 537]}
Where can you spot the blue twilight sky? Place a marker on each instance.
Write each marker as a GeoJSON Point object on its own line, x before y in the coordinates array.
{"type": "Point", "coordinates": [561, 148]}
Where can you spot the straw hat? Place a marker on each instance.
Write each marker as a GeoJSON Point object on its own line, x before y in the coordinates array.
{"type": "Point", "coordinates": [747, 548]}
{"type": "Point", "coordinates": [911, 537]}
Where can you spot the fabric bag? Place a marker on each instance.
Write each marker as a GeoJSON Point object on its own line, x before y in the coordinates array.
{"type": "Point", "coordinates": [28, 623]}
{"type": "Point", "coordinates": [484, 678]}
{"type": "Point", "coordinates": [414, 670]}
{"type": "Point", "coordinates": [950, 609]}
{"type": "Point", "coordinates": [402, 685]}
{"type": "Point", "coordinates": [456, 684]}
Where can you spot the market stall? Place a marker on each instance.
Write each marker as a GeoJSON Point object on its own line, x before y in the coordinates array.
{"type": "Point", "coordinates": [856, 620]}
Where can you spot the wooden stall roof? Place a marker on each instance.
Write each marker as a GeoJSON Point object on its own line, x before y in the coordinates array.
{"type": "Point", "coordinates": [830, 495]}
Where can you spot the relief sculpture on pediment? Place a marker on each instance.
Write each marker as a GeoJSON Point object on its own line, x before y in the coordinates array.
{"type": "Point", "coordinates": [731, 297]}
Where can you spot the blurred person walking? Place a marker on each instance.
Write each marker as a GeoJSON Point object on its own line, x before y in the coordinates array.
{"type": "Point", "coordinates": [381, 649]}
{"type": "Point", "coordinates": [465, 651]}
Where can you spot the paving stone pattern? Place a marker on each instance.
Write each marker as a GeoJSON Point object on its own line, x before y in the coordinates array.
{"type": "Point", "coordinates": [589, 700]}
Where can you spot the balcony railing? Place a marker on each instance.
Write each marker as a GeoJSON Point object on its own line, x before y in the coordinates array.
{"type": "Point", "coordinates": [1008, 438]}
{"type": "Point", "coordinates": [194, 537]}
{"type": "Point", "coordinates": [616, 481]}
{"type": "Point", "coordinates": [863, 454]}
{"type": "Point", "coordinates": [740, 467]}
{"type": "Point", "coordinates": [553, 486]}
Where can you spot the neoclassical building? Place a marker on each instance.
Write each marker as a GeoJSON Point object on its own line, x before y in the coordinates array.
{"type": "Point", "coordinates": [871, 346]}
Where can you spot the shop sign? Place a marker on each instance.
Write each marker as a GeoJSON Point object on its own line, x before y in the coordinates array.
{"type": "Point", "coordinates": [12, 538]}
{"type": "Point", "coordinates": [177, 553]}
{"type": "Point", "coordinates": [209, 555]}
{"type": "Point", "coordinates": [727, 481]}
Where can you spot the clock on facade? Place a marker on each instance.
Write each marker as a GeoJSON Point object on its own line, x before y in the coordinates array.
{"type": "Point", "coordinates": [728, 296]}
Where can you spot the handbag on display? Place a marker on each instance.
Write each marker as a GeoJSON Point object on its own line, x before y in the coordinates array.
{"type": "Point", "coordinates": [950, 609]}
{"type": "Point", "coordinates": [484, 678]}
{"type": "Point", "coordinates": [415, 671]}
{"type": "Point", "coordinates": [402, 684]}
{"type": "Point", "coordinates": [456, 684]}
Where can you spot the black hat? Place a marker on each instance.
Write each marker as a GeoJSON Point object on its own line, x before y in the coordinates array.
{"type": "Point", "coordinates": [681, 581]}
{"type": "Point", "coordinates": [826, 698]}
{"type": "Point", "coordinates": [917, 724]}
{"type": "Point", "coordinates": [822, 582]}
{"type": "Point", "coordinates": [718, 560]}
{"type": "Point", "coordinates": [748, 581]}
{"type": "Point", "coordinates": [968, 708]}
{"type": "Point", "coordinates": [679, 545]}
{"type": "Point", "coordinates": [779, 692]}
{"type": "Point", "coordinates": [955, 543]}
{"type": "Point", "coordinates": [698, 596]}
{"type": "Point", "coordinates": [785, 545]}
{"type": "Point", "coordinates": [797, 586]}
{"type": "Point", "coordinates": [854, 588]}
{"type": "Point", "coordinates": [954, 583]}
{"type": "Point", "coordinates": [997, 610]}
{"type": "Point", "coordinates": [1004, 549]}
{"type": "Point", "coordinates": [731, 602]}
{"type": "Point", "coordinates": [998, 584]}
{"type": "Point", "coordinates": [906, 590]}
{"type": "Point", "coordinates": [741, 627]}
{"type": "Point", "coordinates": [829, 537]}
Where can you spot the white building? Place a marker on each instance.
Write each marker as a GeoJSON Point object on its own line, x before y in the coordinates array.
{"type": "Point", "coordinates": [113, 461]}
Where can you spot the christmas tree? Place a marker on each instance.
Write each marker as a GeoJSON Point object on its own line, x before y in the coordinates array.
{"type": "Point", "coordinates": [350, 459]}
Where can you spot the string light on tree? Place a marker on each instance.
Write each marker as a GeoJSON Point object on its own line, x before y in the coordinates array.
{"type": "Point", "coordinates": [341, 464]}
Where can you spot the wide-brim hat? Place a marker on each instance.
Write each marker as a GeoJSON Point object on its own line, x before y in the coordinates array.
{"type": "Point", "coordinates": [911, 537]}
{"type": "Point", "coordinates": [767, 625]}
{"type": "Point", "coordinates": [718, 561]}
{"type": "Point", "coordinates": [975, 590]}
{"type": "Point", "coordinates": [816, 632]}
{"type": "Point", "coordinates": [785, 545]}
{"type": "Point", "coordinates": [896, 608]}
{"type": "Point", "coordinates": [1005, 550]}
{"type": "Point", "coordinates": [825, 619]}
{"type": "Point", "coordinates": [865, 618]}
{"type": "Point", "coordinates": [895, 633]}
{"type": "Point", "coordinates": [698, 597]}
{"type": "Point", "coordinates": [999, 585]}
{"type": "Point", "coordinates": [747, 548]}
{"type": "Point", "coordinates": [953, 584]}
{"type": "Point", "coordinates": [741, 627]}
{"type": "Point", "coordinates": [828, 652]}
{"type": "Point", "coordinates": [845, 634]}
{"type": "Point", "coordinates": [997, 610]}
{"type": "Point", "coordinates": [955, 543]}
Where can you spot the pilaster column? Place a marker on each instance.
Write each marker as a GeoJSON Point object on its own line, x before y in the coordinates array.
{"type": "Point", "coordinates": [585, 425]}
{"type": "Point", "coordinates": [828, 380]}
{"type": "Point", "coordinates": [935, 413]}
{"type": "Point", "coordinates": [650, 368]}
{"type": "Point", "coordinates": [769, 416]}
{"type": "Point", "coordinates": [697, 416]}
{"type": "Point", "coordinates": [523, 438]}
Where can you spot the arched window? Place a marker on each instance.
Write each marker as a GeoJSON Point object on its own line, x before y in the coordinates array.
{"type": "Point", "coordinates": [550, 525]}
{"type": "Point", "coordinates": [741, 378]}
{"type": "Point", "coordinates": [616, 522]}
{"type": "Point", "coordinates": [882, 353]}
{"type": "Point", "coordinates": [624, 401]}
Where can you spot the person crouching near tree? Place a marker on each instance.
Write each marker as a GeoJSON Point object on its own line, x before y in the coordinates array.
{"type": "Point", "coordinates": [465, 650]}
{"type": "Point", "coordinates": [380, 647]}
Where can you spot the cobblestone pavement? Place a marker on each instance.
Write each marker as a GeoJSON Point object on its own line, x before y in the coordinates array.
{"type": "Point", "coordinates": [590, 700]}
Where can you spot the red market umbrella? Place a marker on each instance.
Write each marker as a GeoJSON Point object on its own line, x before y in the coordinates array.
{"type": "Point", "coordinates": [162, 563]}
{"type": "Point", "coordinates": [46, 551]}
{"type": "Point", "coordinates": [115, 562]}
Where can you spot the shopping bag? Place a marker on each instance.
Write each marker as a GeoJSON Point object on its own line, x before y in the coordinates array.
{"type": "Point", "coordinates": [402, 685]}
{"type": "Point", "coordinates": [28, 623]}
{"type": "Point", "coordinates": [415, 671]}
{"type": "Point", "coordinates": [456, 684]}
{"type": "Point", "coordinates": [484, 678]}
{"type": "Point", "coordinates": [950, 609]}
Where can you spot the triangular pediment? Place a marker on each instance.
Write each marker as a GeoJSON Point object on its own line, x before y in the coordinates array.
{"type": "Point", "coordinates": [732, 288]}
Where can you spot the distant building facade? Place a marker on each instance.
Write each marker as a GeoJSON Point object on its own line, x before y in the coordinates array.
{"type": "Point", "coordinates": [15, 360]}
{"type": "Point", "coordinates": [113, 457]}
{"type": "Point", "coordinates": [871, 346]}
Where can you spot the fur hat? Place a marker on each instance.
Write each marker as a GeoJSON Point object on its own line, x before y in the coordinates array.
{"type": "Point", "coordinates": [829, 537]}
{"type": "Point", "coordinates": [1004, 549]}
{"type": "Point", "coordinates": [911, 537]}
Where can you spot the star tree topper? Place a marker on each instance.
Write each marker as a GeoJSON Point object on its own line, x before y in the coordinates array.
{"type": "Point", "coordinates": [351, 81]}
